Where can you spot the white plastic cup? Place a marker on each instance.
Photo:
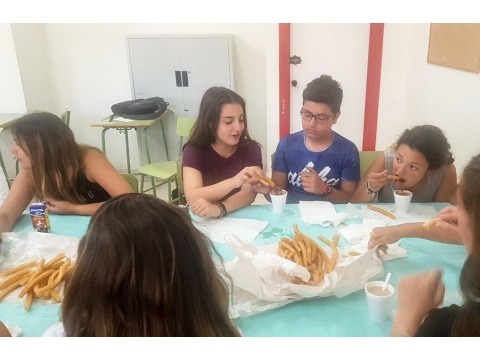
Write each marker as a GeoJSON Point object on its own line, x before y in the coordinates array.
{"type": "Point", "coordinates": [279, 201]}
{"type": "Point", "coordinates": [379, 305]}
{"type": "Point", "coordinates": [402, 200]}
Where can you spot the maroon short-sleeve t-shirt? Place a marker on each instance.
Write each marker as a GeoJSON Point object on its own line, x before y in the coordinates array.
{"type": "Point", "coordinates": [215, 168]}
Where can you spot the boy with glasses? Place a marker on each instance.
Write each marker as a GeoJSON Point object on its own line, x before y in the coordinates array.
{"type": "Point", "coordinates": [317, 163]}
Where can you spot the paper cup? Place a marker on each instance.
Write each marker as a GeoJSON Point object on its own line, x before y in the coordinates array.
{"type": "Point", "coordinates": [379, 303]}
{"type": "Point", "coordinates": [279, 201]}
{"type": "Point", "coordinates": [402, 200]}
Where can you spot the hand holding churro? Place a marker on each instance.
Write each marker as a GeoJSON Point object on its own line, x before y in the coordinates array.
{"type": "Point", "coordinates": [431, 223]}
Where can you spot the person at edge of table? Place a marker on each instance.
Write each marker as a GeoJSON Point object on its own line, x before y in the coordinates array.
{"type": "Point", "coordinates": [143, 269]}
{"type": "Point", "coordinates": [420, 295]}
{"type": "Point", "coordinates": [70, 178]}
{"type": "Point", "coordinates": [220, 159]}
{"type": "Point", "coordinates": [423, 159]}
{"type": "Point", "coordinates": [317, 163]}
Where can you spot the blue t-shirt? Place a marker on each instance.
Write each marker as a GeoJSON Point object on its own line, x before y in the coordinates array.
{"type": "Point", "coordinates": [340, 161]}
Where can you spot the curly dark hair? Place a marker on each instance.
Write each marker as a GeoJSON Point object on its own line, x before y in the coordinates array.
{"type": "Point", "coordinates": [430, 141]}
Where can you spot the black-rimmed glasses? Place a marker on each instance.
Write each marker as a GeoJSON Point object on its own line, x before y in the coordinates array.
{"type": "Point", "coordinates": [319, 118]}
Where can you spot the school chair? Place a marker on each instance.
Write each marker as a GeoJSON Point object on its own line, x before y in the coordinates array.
{"type": "Point", "coordinates": [132, 180]}
{"type": "Point", "coordinates": [366, 159]}
{"type": "Point", "coordinates": [166, 171]}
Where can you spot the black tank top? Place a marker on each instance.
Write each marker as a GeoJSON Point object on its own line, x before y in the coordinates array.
{"type": "Point", "coordinates": [91, 193]}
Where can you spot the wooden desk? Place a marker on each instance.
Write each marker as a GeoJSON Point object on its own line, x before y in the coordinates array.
{"type": "Point", "coordinates": [124, 127]}
{"type": "Point", "coordinates": [5, 121]}
{"type": "Point", "coordinates": [330, 316]}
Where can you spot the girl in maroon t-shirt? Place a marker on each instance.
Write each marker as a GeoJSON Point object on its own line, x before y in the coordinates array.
{"type": "Point", "coordinates": [220, 159]}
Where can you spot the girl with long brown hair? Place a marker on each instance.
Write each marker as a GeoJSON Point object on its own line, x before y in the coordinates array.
{"type": "Point", "coordinates": [71, 178]}
{"type": "Point", "coordinates": [143, 269]}
{"type": "Point", "coordinates": [220, 159]}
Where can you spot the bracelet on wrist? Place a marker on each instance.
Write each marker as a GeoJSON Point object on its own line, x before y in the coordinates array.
{"type": "Point", "coordinates": [223, 209]}
{"type": "Point", "coordinates": [328, 189]}
{"type": "Point", "coordinates": [370, 191]}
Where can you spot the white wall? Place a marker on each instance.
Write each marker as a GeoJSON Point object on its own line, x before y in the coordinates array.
{"type": "Point", "coordinates": [414, 92]}
{"type": "Point", "coordinates": [83, 67]}
{"type": "Point", "coordinates": [11, 92]}
{"type": "Point", "coordinates": [87, 69]}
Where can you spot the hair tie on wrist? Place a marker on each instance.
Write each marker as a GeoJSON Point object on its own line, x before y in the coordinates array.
{"type": "Point", "coordinates": [223, 209]}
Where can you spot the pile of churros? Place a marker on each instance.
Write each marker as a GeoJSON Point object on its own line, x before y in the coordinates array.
{"type": "Point", "coordinates": [39, 279]}
{"type": "Point", "coordinates": [305, 252]}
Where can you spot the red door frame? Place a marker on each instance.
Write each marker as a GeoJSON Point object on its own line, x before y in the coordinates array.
{"type": "Point", "coordinates": [374, 70]}
{"type": "Point", "coordinates": [284, 78]}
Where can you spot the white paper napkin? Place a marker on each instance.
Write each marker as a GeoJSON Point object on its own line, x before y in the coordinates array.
{"type": "Point", "coordinates": [216, 229]}
{"type": "Point", "coordinates": [416, 213]}
{"type": "Point", "coordinates": [355, 233]}
{"type": "Point", "coordinates": [324, 214]}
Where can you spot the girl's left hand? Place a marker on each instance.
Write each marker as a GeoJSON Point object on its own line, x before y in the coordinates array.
{"type": "Point", "coordinates": [60, 207]}
{"type": "Point", "coordinates": [203, 208]}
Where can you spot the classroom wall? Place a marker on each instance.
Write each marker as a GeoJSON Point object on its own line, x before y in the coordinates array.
{"type": "Point", "coordinates": [11, 91]}
{"type": "Point", "coordinates": [414, 92]}
{"type": "Point", "coordinates": [87, 70]}
{"type": "Point", "coordinates": [83, 67]}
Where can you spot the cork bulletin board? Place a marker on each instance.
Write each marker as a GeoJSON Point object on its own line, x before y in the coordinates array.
{"type": "Point", "coordinates": [456, 46]}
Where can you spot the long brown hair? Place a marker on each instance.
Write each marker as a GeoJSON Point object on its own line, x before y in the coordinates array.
{"type": "Point", "coordinates": [143, 269]}
{"type": "Point", "coordinates": [205, 128]}
{"type": "Point", "coordinates": [467, 321]}
{"type": "Point", "coordinates": [56, 158]}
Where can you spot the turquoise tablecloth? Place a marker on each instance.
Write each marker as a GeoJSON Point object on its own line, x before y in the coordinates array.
{"type": "Point", "coordinates": [330, 316]}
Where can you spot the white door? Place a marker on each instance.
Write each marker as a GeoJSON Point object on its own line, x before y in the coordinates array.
{"type": "Point", "coordinates": [180, 70]}
{"type": "Point", "coordinates": [339, 50]}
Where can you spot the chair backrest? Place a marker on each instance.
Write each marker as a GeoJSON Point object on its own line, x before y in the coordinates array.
{"type": "Point", "coordinates": [184, 127]}
{"type": "Point", "coordinates": [66, 117]}
{"type": "Point", "coordinates": [132, 180]}
{"type": "Point", "coordinates": [366, 159]}
{"type": "Point", "coordinates": [181, 190]}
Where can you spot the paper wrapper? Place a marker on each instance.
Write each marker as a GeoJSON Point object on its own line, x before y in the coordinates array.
{"type": "Point", "coordinates": [262, 279]}
{"type": "Point", "coordinates": [19, 248]}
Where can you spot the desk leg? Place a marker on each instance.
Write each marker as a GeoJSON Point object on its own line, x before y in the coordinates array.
{"type": "Point", "coordinates": [165, 141]}
{"type": "Point", "coordinates": [104, 149]}
{"type": "Point", "coordinates": [147, 150]}
{"type": "Point", "coordinates": [127, 150]}
{"type": "Point", "coordinates": [2, 164]}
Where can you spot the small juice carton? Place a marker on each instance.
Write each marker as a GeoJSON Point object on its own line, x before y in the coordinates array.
{"type": "Point", "coordinates": [39, 215]}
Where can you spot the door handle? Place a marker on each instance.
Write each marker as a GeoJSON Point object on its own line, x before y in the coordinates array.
{"type": "Point", "coordinates": [178, 78]}
{"type": "Point", "coordinates": [185, 78]}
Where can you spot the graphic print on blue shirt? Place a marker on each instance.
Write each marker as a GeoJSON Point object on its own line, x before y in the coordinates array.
{"type": "Point", "coordinates": [340, 161]}
{"type": "Point", "coordinates": [295, 179]}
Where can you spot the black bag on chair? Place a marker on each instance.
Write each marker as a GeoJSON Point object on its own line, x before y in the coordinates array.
{"type": "Point", "coordinates": [140, 109]}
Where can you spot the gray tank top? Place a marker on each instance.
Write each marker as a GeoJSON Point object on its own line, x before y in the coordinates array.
{"type": "Point", "coordinates": [425, 194]}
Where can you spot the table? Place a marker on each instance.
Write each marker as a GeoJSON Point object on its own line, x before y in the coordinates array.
{"type": "Point", "coordinates": [124, 127]}
{"type": "Point", "coordinates": [347, 316]}
{"type": "Point", "coordinates": [5, 121]}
